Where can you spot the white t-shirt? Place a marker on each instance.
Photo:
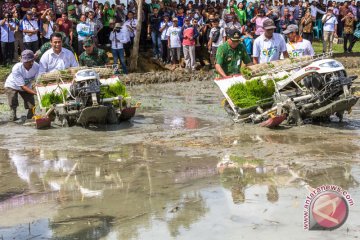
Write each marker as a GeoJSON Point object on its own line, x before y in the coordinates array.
{"type": "Point", "coordinates": [30, 25]}
{"type": "Point", "coordinates": [268, 50]}
{"type": "Point", "coordinates": [300, 49]}
{"type": "Point", "coordinates": [220, 39]}
{"type": "Point", "coordinates": [51, 61]}
{"type": "Point", "coordinates": [164, 33]}
{"type": "Point", "coordinates": [174, 34]}
{"type": "Point", "coordinates": [19, 76]}
{"type": "Point", "coordinates": [329, 25]}
{"type": "Point", "coordinates": [83, 30]}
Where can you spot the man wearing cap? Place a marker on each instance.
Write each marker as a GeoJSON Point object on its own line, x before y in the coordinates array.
{"type": "Point", "coordinates": [57, 58]}
{"type": "Point", "coordinates": [269, 46]}
{"type": "Point", "coordinates": [231, 54]}
{"type": "Point", "coordinates": [92, 56]}
{"type": "Point", "coordinates": [297, 46]}
{"type": "Point", "coordinates": [30, 29]}
{"type": "Point", "coordinates": [330, 29]}
{"type": "Point", "coordinates": [19, 82]}
{"type": "Point", "coordinates": [74, 19]}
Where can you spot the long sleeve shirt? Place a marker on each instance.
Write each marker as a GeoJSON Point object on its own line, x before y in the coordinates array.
{"type": "Point", "coordinates": [314, 10]}
{"type": "Point", "coordinates": [117, 40]}
{"type": "Point", "coordinates": [51, 61]}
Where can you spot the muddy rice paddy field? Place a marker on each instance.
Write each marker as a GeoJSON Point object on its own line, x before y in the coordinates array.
{"type": "Point", "coordinates": [156, 176]}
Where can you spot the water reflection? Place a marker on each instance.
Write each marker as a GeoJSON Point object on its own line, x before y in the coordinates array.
{"type": "Point", "coordinates": [140, 192]}
{"type": "Point", "coordinates": [238, 174]}
{"type": "Point", "coordinates": [96, 192]}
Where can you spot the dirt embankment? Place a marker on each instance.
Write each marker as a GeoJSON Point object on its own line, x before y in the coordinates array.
{"type": "Point", "coordinates": [152, 72]}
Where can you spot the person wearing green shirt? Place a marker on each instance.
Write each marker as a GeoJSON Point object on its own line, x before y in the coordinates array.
{"type": "Point", "coordinates": [107, 15]}
{"type": "Point", "coordinates": [231, 54]}
{"type": "Point", "coordinates": [241, 13]}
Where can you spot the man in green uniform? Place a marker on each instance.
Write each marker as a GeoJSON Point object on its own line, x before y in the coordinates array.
{"type": "Point", "coordinates": [92, 56]}
{"type": "Point", "coordinates": [46, 46]}
{"type": "Point", "coordinates": [230, 55]}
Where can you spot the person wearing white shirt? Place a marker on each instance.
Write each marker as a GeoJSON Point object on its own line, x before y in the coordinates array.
{"type": "Point", "coordinates": [130, 24]}
{"type": "Point", "coordinates": [20, 82]}
{"type": "Point", "coordinates": [216, 38]}
{"type": "Point", "coordinates": [8, 27]}
{"type": "Point", "coordinates": [83, 31]}
{"type": "Point", "coordinates": [174, 42]}
{"type": "Point", "coordinates": [164, 27]}
{"type": "Point", "coordinates": [314, 10]}
{"type": "Point", "coordinates": [57, 58]}
{"type": "Point", "coordinates": [330, 29]}
{"type": "Point", "coordinates": [30, 30]}
{"type": "Point", "coordinates": [118, 38]}
{"type": "Point", "coordinates": [127, 45]}
{"type": "Point", "coordinates": [297, 46]}
{"type": "Point", "coordinates": [269, 46]}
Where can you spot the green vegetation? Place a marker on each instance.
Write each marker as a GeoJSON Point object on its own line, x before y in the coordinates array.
{"type": "Point", "coordinates": [4, 72]}
{"type": "Point", "coordinates": [243, 161]}
{"type": "Point", "coordinates": [250, 93]}
{"type": "Point", "coordinates": [49, 99]}
{"type": "Point", "coordinates": [337, 48]}
{"type": "Point", "coordinates": [114, 90]}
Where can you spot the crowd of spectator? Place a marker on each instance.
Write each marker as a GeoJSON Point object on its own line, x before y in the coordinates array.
{"type": "Point", "coordinates": [190, 29]}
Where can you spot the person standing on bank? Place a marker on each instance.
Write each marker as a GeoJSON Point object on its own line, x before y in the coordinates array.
{"type": "Point", "coordinates": [8, 27]}
{"type": "Point", "coordinates": [19, 82]}
{"type": "Point", "coordinates": [330, 29]}
{"type": "Point", "coordinates": [30, 30]}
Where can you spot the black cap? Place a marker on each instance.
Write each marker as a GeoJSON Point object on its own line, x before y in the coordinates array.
{"type": "Point", "coordinates": [234, 34]}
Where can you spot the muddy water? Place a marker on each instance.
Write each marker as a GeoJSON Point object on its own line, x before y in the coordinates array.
{"type": "Point", "coordinates": [156, 177]}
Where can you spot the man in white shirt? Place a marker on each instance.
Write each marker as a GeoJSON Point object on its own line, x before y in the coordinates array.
{"type": "Point", "coordinates": [174, 42]}
{"type": "Point", "coordinates": [19, 82]}
{"type": "Point", "coordinates": [330, 29]}
{"type": "Point", "coordinates": [297, 46]}
{"type": "Point", "coordinates": [30, 30]}
{"type": "Point", "coordinates": [269, 45]}
{"type": "Point", "coordinates": [57, 58]}
{"type": "Point", "coordinates": [314, 10]}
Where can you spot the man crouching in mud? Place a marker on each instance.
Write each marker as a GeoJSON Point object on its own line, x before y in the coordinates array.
{"type": "Point", "coordinates": [231, 54]}
{"type": "Point", "coordinates": [19, 82]}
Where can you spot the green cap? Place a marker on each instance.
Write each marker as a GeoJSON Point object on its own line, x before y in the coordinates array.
{"type": "Point", "coordinates": [88, 42]}
{"type": "Point", "coordinates": [71, 7]}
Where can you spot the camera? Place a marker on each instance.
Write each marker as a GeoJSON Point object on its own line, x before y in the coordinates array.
{"type": "Point", "coordinates": [8, 15]}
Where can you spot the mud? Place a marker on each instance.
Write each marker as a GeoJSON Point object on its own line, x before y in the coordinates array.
{"type": "Point", "coordinates": [156, 176]}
